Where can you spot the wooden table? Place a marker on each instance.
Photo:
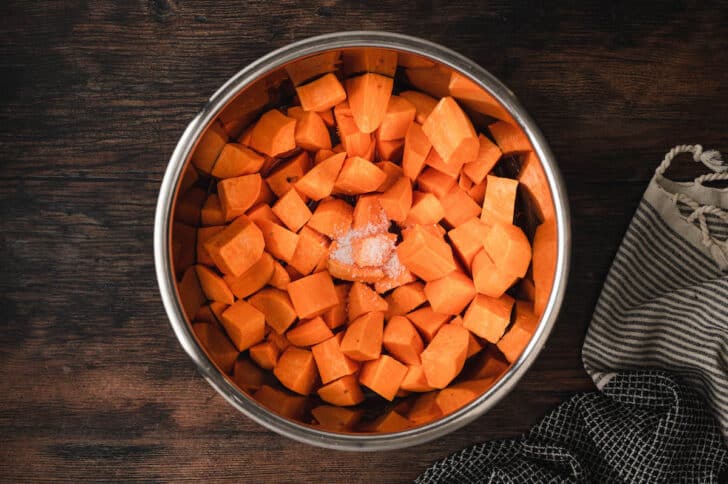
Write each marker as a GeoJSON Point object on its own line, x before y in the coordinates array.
{"type": "Point", "coordinates": [94, 97]}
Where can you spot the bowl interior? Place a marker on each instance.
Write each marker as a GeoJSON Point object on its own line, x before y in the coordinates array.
{"type": "Point", "coordinates": [277, 89]}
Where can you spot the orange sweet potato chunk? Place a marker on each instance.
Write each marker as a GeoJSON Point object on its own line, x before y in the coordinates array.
{"type": "Point", "coordinates": [405, 298]}
{"type": "Point", "coordinates": [368, 214]}
{"type": "Point", "coordinates": [236, 248]}
{"type": "Point", "coordinates": [389, 150]}
{"type": "Point", "coordinates": [363, 337]}
{"type": "Point", "coordinates": [343, 392]}
{"type": "Point", "coordinates": [383, 376]}
{"type": "Point", "coordinates": [458, 207]}
{"type": "Point", "coordinates": [292, 210]}
{"type": "Point", "coordinates": [214, 286]}
{"type": "Point", "coordinates": [425, 254]}
{"type": "Point", "coordinates": [488, 279]}
{"type": "Point", "coordinates": [332, 217]}
{"type": "Point", "coordinates": [252, 280]}
{"type": "Point", "coordinates": [474, 344]}
{"type": "Point", "coordinates": [312, 249]}
{"type": "Point", "coordinates": [331, 362]}
{"type": "Point", "coordinates": [244, 324]}
{"type": "Point", "coordinates": [517, 338]}
{"type": "Point", "coordinates": [318, 183]}
{"type": "Point", "coordinates": [450, 294]}
{"type": "Point", "coordinates": [444, 357]}
{"type": "Point", "coordinates": [321, 94]}
{"type": "Point", "coordinates": [400, 113]}
{"type": "Point", "coordinates": [354, 141]}
{"type": "Point", "coordinates": [280, 277]}
{"type": "Point", "coordinates": [489, 317]}
{"type": "Point", "coordinates": [311, 132]}
{"type": "Point", "coordinates": [403, 276]}
{"type": "Point", "coordinates": [279, 241]}
{"type": "Point", "coordinates": [368, 95]}
{"type": "Point", "coordinates": [427, 321]}
{"type": "Point", "coordinates": [276, 306]}
{"type": "Point", "coordinates": [321, 155]}
{"type": "Point", "coordinates": [185, 250]}
{"type": "Point", "coordinates": [351, 272]}
{"type": "Point", "coordinates": [336, 316]}
{"type": "Point", "coordinates": [260, 212]}
{"type": "Point", "coordinates": [313, 295]}
{"type": "Point", "coordinates": [423, 103]}
{"type": "Point", "coordinates": [451, 133]}
{"type": "Point", "coordinates": [467, 239]}
{"type": "Point", "coordinates": [245, 108]}
{"type": "Point", "coordinates": [402, 341]}
{"type": "Point", "coordinates": [509, 248]}
{"type": "Point", "coordinates": [285, 175]}
{"type": "Point", "coordinates": [309, 332]}
{"type": "Point", "coordinates": [296, 370]}
{"type": "Point", "coordinates": [435, 182]}
{"type": "Point", "coordinates": [488, 156]}
{"type": "Point", "coordinates": [205, 315]}
{"type": "Point", "coordinates": [211, 144]}
{"type": "Point", "coordinates": [236, 160]}
{"type": "Point", "coordinates": [500, 200]}
{"type": "Point", "coordinates": [426, 209]}
{"type": "Point", "coordinates": [327, 117]}
{"type": "Point", "coordinates": [279, 340]}
{"type": "Point", "coordinates": [392, 170]}
{"type": "Point", "coordinates": [374, 250]}
{"type": "Point", "coordinates": [274, 134]}
{"type": "Point", "coordinates": [357, 176]}
{"type": "Point", "coordinates": [477, 192]}
{"type": "Point", "coordinates": [464, 182]}
{"type": "Point", "coordinates": [415, 380]}
{"type": "Point", "coordinates": [264, 354]}
{"type": "Point", "coordinates": [451, 168]}
{"type": "Point", "coordinates": [416, 149]}
{"type": "Point", "coordinates": [362, 299]}
{"type": "Point", "coordinates": [238, 194]}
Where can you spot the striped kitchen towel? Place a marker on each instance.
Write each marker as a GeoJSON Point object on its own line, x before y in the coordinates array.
{"type": "Point", "coordinates": [664, 304]}
{"type": "Point", "coordinates": [657, 349]}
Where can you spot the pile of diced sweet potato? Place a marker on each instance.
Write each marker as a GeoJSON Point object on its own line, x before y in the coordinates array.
{"type": "Point", "coordinates": [360, 245]}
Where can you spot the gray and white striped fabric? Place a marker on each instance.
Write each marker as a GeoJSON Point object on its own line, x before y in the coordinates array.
{"type": "Point", "coordinates": [664, 304]}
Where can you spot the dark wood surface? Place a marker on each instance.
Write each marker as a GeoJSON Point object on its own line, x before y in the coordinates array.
{"type": "Point", "coordinates": [94, 96]}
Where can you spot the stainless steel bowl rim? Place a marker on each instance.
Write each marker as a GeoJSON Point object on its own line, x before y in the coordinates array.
{"type": "Point", "coordinates": [165, 275]}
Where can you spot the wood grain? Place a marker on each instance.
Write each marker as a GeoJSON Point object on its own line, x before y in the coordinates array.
{"type": "Point", "coordinates": [93, 98]}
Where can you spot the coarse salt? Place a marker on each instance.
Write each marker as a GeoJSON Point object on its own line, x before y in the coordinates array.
{"type": "Point", "coordinates": [393, 268]}
{"type": "Point", "coordinates": [370, 245]}
{"type": "Point", "coordinates": [374, 250]}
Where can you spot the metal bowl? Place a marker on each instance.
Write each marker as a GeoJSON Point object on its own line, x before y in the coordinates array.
{"type": "Point", "coordinates": [268, 73]}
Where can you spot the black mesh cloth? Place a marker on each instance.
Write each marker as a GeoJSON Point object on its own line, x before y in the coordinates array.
{"type": "Point", "coordinates": [645, 426]}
